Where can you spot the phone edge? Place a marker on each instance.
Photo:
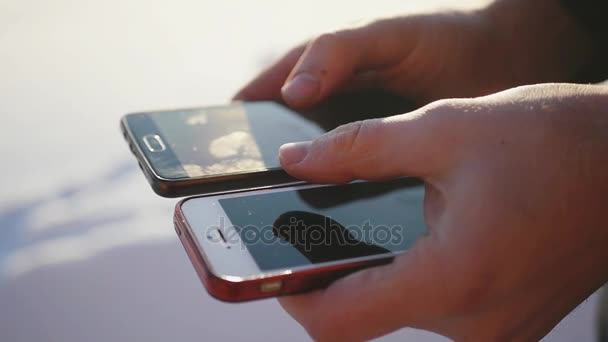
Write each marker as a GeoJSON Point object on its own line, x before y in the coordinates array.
{"type": "Point", "coordinates": [243, 289]}
{"type": "Point", "coordinates": [216, 185]}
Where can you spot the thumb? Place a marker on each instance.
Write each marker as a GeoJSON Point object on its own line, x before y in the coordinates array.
{"type": "Point", "coordinates": [375, 301]}
{"type": "Point", "coordinates": [333, 59]}
{"type": "Point", "coordinates": [415, 144]}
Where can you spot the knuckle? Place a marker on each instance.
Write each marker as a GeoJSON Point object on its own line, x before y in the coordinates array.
{"type": "Point", "coordinates": [445, 105]}
{"type": "Point", "coordinates": [437, 113]}
{"type": "Point", "coordinates": [352, 138]}
{"type": "Point", "coordinates": [452, 120]}
{"type": "Point", "coordinates": [349, 149]}
{"type": "Point", "coordinates": [346, 136]}
{"type": "Point", "coordinates": [331, 40]}
{"type": "Point", "coordinates": [325, 39]}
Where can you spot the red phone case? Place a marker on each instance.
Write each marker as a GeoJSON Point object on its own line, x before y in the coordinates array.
{"type": "Point", "coordinates": [244, 289]}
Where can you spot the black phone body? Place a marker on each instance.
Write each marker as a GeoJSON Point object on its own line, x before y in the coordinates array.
{"type": "Point", "coordinates": [235, 147]}
{"type": "Point", "coordinates": [215, 149]}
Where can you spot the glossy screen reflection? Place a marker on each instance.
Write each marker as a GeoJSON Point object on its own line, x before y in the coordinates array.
{"type": "Point", "coordinates": [237, 138]}
{"type": "Point", "coordinates": [295, 228]}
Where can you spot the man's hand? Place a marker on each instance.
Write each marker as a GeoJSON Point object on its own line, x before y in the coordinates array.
{"type": "Point", "coordinates": [515, 207]}
{"type": "Point", "coordinates": [429, 57]}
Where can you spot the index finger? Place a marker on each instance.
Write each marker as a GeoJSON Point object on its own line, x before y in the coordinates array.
{"type": "Point", "coordinates": [267, 85]}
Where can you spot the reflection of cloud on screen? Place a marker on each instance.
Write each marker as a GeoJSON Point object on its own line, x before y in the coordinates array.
{"type": "Point", "coordinates": [235, 152]}
{"type": "Point", "coordinates": [198, 119]}
{"type": "Point", "coordinates": [235, 144]}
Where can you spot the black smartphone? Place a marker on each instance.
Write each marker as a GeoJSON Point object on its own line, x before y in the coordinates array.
{"type": "Point", "coordinates": [215, 149]}
{"type": "Point", "coordinates": [220, 149]}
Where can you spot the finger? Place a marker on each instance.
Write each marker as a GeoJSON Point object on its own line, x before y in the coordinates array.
{"type": "Point", "coordinates": [267, 86]}
{"type": "Point", "coordinates": [365, 305]}
{"type": "Point", "coordinates": [421, 144]}
{"type": "Point", "coordinates": [363, 81]}
{"type": "Point", "coordinates": [332, 60]}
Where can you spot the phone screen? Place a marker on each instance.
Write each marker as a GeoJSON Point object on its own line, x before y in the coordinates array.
{"type": "Point", "coordinates": [238, 138]}
{"type": "Point", "coordinates": [295, 228]}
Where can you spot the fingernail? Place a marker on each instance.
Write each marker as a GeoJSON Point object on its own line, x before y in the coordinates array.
{"type": "Point", "coordinates": [293, 153]}
{"type": "Point", "coordinates": [302, 87]}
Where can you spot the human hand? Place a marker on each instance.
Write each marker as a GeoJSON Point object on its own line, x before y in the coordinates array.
{"type": "Point", "coordinates": [433, 56]}
{"type": "Point", "coordinates": [515, 207]}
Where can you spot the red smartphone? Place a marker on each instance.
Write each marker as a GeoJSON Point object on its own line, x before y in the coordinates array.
{"type": "Point", "coordinates": [278, 241]}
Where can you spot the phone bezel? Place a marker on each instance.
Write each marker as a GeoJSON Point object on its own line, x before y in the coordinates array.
{"type": "Point", "coordinates": [236, 263]}
{"type": "Point", "coordinates": [203, 185]}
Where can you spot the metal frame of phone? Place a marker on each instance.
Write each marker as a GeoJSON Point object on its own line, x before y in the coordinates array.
{"type": "Point", "coordinates": [204, 185]}
{"type": "Point", "coordinates": [231, 274]}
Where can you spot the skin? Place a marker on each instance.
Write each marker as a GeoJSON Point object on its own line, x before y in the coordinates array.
{"type": "Point", "coordinates": [516, 180]}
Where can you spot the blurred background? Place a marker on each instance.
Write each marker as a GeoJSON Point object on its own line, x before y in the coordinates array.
{"type": "Point", "coordinates": [87, 250]}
